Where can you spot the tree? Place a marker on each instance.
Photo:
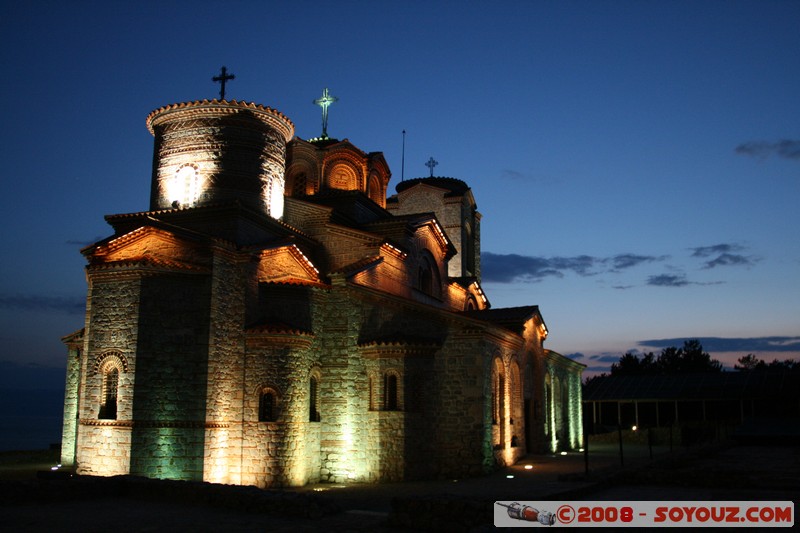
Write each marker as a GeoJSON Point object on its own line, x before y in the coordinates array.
{"type": "Point", "coordinates": [672, 360]}
{"type": "Point", "coordinates": [694, 359]}
{"type": "Point", "coordinates": [749, 362]}
{"type": "Point", "coordinates": [630, 365]}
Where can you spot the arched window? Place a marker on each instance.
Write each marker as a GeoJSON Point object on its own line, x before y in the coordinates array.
{"type": "Point", "coordinates": [548, 402]}
{"type": "Point", "coordinates": [469, 249]}
{"type": "Point", "coordinates": [108, 395]}
{"type": "Point", "coordinates": [374, 189]}
{"type": "Point", "coordinates": [313, 399]}
{"type": "Point", "coordinates": [299, 185]}
{"type": "Point", "coordinates": [428, 276]}
{"type": "Point", "coordinates": [184, 188]}
{"type": "Point", "coordinates": [498, 392]}
{"type": "Point", "coordinates": [268, 406]}
{"type": "Point", "coordinates": [390, 402]}
{"type": "Point", "coordinates": [372, 402]}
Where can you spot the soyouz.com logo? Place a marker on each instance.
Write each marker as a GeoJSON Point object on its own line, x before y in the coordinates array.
{"type": "Point", "coordinates": [644, 514]}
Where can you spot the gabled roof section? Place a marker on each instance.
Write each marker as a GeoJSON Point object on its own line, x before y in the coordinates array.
{"type": "Point", "coordinates": [350, 208]}
{"type": "Point", "coordinates": [399, 228]}
{"type": "Point", "coordinates": [330, 144]}
{"type": "Point", "coordinates": [359, 266]}
{"type": "Point", "coordinates": [511, 318]}
{"type": "Point", "coordinates": [222, 220]}
{"type": "Point", "coordinates": [286, 262]}
{"type": "Point", "coordinates": [152, 246]}
{"type": "Point", "coordinates": [75, 338]}
{"type": "Point", "coordinates": [148, 225]}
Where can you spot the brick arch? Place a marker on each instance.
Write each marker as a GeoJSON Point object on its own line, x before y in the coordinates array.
{"type": "Point", "coordinates": [343, 175]}
{"type": "Point", "coordinates": [429, 279]}
{"type": "Point", "coordinates": [261, 409]}
{"type": "Point", "coordinates": [376, 189]}
{"type": "Point", "coordinates": [301, 179]}
{"type": "Point", "coordinates": [516, 417]}
{"type": "Point", "coordinates": [110, 358]}
{"type": "Point", "coordinates": [392, 390]}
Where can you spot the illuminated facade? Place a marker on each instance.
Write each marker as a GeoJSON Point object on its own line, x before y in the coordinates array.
{"type": "Point", "coordinates": [274, 319]}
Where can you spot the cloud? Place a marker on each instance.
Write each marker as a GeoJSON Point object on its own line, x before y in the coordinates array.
{"type": "Point", "coordinates": [731, 344]}
{"type": "Point", "coordinates": [507, 268]}
{"type": "Point", "coordinates": [509, 174]}
{"type": "Point", "coordinates": [84, 244]}
{"type": "Point", "coordinates": [708, 251]}
{"type": "Point", "coordinates": [43, 303]}
{"type": "Point", "coordinates": [668, 280]}
{"type": "Point", "coordinates": [622, 261]}
{"type": "Point", "coordinates": [605, 358]}
{"type": "Point", "coordinates": [785, 148]}
{"type": "Point", "coordinates": [729, 260]}
{"type": "Point", "coordinates": [575, 356]}
{"type": "Point", "coordinates": [723, 254]}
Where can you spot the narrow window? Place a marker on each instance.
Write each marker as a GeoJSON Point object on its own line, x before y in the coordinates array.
{"type": "Point", "coordinates": [371, 393]}
{"type": "Point", "coordinates": [313, 400]}
{"type": "Point", "coordinates": [108, 406]}
{"type": "Point", "coordinates": [501, 404]}
{"type": "Point", "coordinates": [267, 407]}
{"type": "Point", "coordinates": [299, 185]}
{"type": "Point", "coordinates": [390, 392]}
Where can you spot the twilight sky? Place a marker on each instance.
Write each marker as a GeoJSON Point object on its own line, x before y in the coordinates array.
{"type": "Point", "coordinates": [637, 163]}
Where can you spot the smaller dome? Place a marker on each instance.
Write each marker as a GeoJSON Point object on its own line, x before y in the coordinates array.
{"type": "Point", "coordinates": [450, 184]}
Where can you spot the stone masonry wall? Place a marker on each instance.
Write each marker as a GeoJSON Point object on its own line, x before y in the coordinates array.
{"type": "Point", "coordinates": [224, 380]}
{"type": "Point", "coordinates": [169, 409]}
{"type": "Point", "coordinates": [103, 447]}
{"type": "Point", "coordinates": [71, 400]}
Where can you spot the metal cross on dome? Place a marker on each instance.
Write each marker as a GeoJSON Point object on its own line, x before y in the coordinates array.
{"type": "Point", "coordinates": [324, 101]}
{"type": "Point", "coordinates": [430, 164]}
{"type": "Point", "coordinates": [221, 79]}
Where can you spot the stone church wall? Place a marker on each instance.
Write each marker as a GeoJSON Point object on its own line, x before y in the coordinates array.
{"type": "Point", "coordinates": [104, 446]}
{"type": "Point", "coordinates": [462, 445]}
{"type": "Point", "coordinates": [169, 401]}
{"type": "Point", "coordinates": [224, 382]}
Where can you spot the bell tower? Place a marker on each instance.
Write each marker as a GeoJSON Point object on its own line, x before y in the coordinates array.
{"type": "Point", "coordinates": [217, 151]}
{"type": "Point", "coordinates": [452, 201]}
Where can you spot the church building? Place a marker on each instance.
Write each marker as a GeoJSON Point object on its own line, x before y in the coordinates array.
{"type": "Point", "coordinates": [274, 319]}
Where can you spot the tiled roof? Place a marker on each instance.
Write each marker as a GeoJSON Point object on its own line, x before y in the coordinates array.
{"type": "Point", "coordinates": [512, 318]}
{"type": "Point", "coordinates": [147, 260]}
{"type": "Point", "coordinates": [453, 185]}
{"type": "Point", "coordinates": [221, 104]}
{"type": "Point", "coordinates": [297, 282]}
{"type": "Point", "coordinates": [357, 266]}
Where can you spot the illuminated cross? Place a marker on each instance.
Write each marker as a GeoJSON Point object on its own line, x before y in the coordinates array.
{"type": "Point", "coordinates": [324, 101]}
{"type": "Point", "coordinates": [222, 78]}
{"type": "Point", "coordinates": [430, 164]}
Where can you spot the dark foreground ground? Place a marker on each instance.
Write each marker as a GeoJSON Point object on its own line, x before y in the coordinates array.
{"type": "Point", "coordinates": [31, 502]}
